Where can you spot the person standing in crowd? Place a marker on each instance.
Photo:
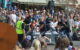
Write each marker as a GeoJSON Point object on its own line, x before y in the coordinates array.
{"type": "Point", "coordinates": [15, 8]}
{"type": "Point", "coordinates": [26, 43]}
{"type": "Point", "coordinates": [71, 23]}
{"type": "Point", "coordinates": [28, 20]}
{"type": "Point", "coordinates": [75, 28]}
{"type": "Point", "coordinates": [33, 24]}
{"type": "Point", "coordinates": [3, 17]}
{"type": "Point", "coordinates": [53, 28]}
{"type": "Point", "coordinates": [53, 24]}
{"type": "Point", "coordinates": [10, 18]}
{"type": "Point", "coordinates": [37, 15]}
{"type": "Point", "coordinates": [20, 30]}
{"type": "Point", "coordinates": [26, 14]}
{"type": "Point", "coordinates": [66, 28]}
{"type": "Point", "coordinates": [63, 43]}
{"type": "Point", "coordinates": [78, 22]}
{"type": "Point", "coordinates": [13, 18]}
{"type": "Point", "coordinates": [42, 25]}
{"type": "Point", "coordinates": [48, 19]}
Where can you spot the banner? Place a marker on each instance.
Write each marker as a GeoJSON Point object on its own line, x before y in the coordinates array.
{"type": "Point", "coordinates": [7, 3]}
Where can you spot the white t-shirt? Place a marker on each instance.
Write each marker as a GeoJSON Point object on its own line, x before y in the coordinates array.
{"type": "Point", "coordinates": [14, 17]}
{"type": "Point", "coordinates": [53, 24]}
{"type": "Point", "coordinates": [71, 22]}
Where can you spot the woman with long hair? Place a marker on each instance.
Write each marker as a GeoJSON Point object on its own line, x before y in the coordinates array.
{"type": "Point", "coordinates": [62, 43]}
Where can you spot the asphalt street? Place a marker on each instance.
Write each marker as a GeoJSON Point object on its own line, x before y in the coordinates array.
{"type": "Point", "coordinates": [51, 47]}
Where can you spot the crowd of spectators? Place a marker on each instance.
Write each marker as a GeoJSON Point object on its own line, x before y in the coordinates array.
{"type": "Point", "coordinates": [40, 20]}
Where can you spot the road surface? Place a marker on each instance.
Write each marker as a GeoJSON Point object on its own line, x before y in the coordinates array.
{"type": "Point", "coordinates": [51, 47]}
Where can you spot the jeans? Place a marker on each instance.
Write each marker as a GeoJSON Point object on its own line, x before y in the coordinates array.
{"type": "Point", "coordinates": [54, 35]}
{"type": "Point", "coordinates": [65, 33]}
{"type": "Point", "coordinates": [20, 38]}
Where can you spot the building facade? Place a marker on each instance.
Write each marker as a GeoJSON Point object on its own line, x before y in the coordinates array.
{"type": "Point", "coordinates": [37, 2]}
{"type": "Point", "coordinates": [67, 4]}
